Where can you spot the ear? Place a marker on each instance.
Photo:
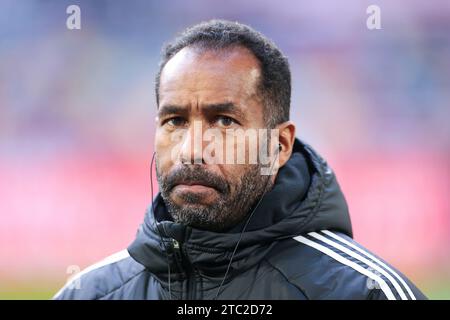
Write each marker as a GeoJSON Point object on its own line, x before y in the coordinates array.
{"type": "Point", "coordinates": [286, 139]}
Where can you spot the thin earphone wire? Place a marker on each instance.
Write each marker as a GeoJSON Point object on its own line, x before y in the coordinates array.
{"type": "Point", "coordinates": [157, 226]}
{"type": "Point", "coordinates": [245, 226]}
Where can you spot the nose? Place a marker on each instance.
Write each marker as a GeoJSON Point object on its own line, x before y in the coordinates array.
{"type": "Point", "coordinates": [191, 151]}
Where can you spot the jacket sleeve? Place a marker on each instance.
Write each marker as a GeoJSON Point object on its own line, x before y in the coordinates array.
{"type": "Point", "coordinates": [412, 292]}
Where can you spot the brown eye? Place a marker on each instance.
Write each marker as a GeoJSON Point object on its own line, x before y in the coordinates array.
{"type": "Point", "coordinates": [176, 122]}
{"type": "Point", "coordinates": [225, 121]}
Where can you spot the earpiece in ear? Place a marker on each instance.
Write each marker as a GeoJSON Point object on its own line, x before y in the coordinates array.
{"type": "Point", "coordinates": [280, 147]}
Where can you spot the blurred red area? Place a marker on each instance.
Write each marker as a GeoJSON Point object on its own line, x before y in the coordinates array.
{"type": "Point", "coordinates": [68, 210]}
{"type": "Point", "coordinates": [76, 209]}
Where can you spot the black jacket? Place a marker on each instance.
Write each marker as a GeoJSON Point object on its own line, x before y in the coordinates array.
{"type": "Point", "coordinates": [298, 245]}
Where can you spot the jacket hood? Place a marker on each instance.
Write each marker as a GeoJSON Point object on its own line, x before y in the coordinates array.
{"type": "Point", "coordinates": [305, 197]}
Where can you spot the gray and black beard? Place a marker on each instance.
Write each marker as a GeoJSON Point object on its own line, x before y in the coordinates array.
{"type": "Point", "coordinates": [229, 209]}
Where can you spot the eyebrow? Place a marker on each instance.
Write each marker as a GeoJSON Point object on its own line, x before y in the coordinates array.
{"type": "Point", "coordinates": [171, 109]}
{"type": "Point", "coordinates": [227, 107]}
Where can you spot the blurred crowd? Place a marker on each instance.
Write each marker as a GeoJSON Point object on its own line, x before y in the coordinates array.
{"type": "Point", "coordinates": [77, 115]}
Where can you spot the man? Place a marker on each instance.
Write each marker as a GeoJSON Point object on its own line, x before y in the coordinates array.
{"type": "Point", "coordinates": [227, 230]}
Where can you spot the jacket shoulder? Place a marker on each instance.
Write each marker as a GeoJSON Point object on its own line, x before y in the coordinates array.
{"type": "Point", "coordinates": [101, 279]}
{"type": "Point", "coordinates": [330, 265]}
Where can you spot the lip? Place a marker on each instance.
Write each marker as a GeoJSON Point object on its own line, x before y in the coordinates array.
{"type": "Point", "coordinates": [193, 186]}
{"type": "Point", "coordinates": [194, 183]}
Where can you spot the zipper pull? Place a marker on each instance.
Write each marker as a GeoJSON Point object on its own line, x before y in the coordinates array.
{"type": "Point", "coordinates": [177, 254]}
{"type": "Point", "coordinates": [176, 244]}
{"type": "Point", "coordinates": [177, 251]}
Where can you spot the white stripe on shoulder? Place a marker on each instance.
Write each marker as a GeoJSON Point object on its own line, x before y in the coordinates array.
{"type": "Point", "coordinates": [367, 254]}
{"type": "Point", "coordinates": [383, 285]}
{"type": "Point", "coordinates": [108, 260]}
{"type": "Point", "coordinates": [362, 259]}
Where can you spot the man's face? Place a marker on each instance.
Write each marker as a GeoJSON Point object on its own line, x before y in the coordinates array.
{"type": "Point", "coordinates": [211, 90]}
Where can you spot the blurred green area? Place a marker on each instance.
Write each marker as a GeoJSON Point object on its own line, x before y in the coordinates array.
{"type": "Point", "coordinates": [32, 291]}
{"type": "Point", "coordinates": [435, 289]}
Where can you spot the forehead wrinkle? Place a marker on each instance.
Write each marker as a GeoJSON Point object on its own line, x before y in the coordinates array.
{"type": "Point", "coordinates": [243, 85]}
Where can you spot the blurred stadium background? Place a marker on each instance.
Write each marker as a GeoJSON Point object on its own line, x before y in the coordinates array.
{"type": "Point", "coordinates": [77, 117]}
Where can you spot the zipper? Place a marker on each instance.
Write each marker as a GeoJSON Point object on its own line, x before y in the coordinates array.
{"type": "Point", "coordinates": [177, 254]}
{"type": "Point", "coordinates": [184, 266]}
{"type": "Point", "coordinates": [191, 285]}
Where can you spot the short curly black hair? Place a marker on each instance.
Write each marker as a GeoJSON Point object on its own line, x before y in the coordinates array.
{"type": "Point", "coordinates": [275, 84]}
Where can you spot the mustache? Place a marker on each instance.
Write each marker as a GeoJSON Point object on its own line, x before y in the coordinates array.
{"type": "Point", "coordinates": [196, 175]}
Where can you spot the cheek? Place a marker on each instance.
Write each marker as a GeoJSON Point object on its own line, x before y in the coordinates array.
{"type": "Point", "coordinates": [163, 149]}
{"type": "Point", "coordinates": [170, 144]}
{"type": "Point", "coordinates": [233, 174]}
